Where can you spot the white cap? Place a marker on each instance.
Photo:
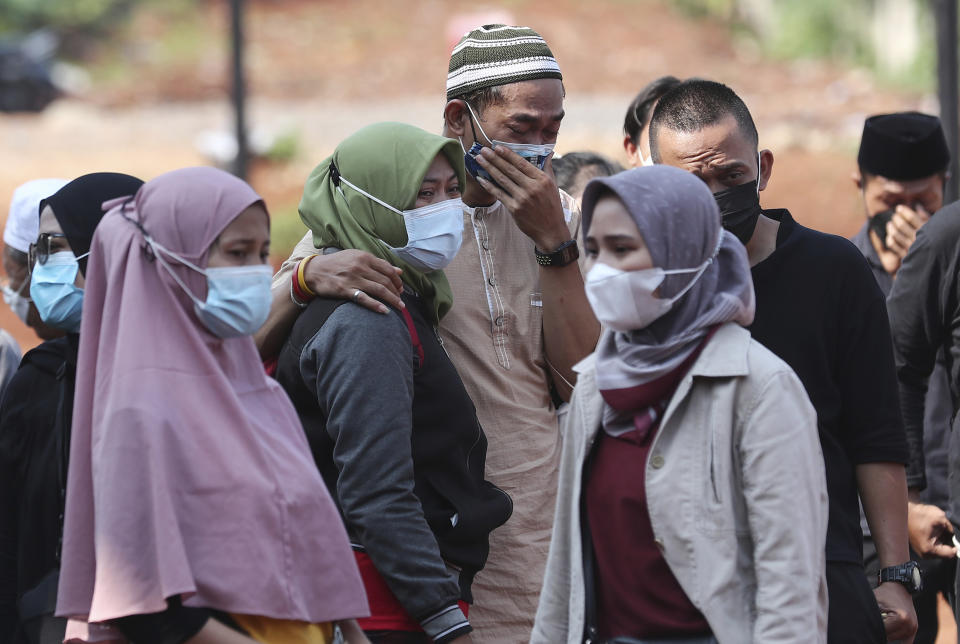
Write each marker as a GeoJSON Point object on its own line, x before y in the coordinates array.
{"type": "Point", "coordinates": [23, 220]}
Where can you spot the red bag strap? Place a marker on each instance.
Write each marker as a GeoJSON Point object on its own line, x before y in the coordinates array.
{"type": "Point", "coordinates": [414, 338]}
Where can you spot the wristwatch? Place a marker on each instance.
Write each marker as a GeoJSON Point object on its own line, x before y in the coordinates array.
{"type": "Point", "coordinates": [907, 574]}
{"type": "Point", "coordinates": [565, 253]}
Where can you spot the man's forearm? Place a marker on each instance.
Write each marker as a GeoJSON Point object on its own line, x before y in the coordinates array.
{"type": "Point", "coordinates": [883, 491]}
{"type": "Point", "coordinates": [570, 330]}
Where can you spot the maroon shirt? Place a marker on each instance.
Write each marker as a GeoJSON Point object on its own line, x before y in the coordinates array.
{"type": "Point", "coordinates": [636, 593]}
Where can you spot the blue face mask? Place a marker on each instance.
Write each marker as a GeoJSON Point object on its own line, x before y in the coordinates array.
{"type": "Point", "coordinates": [238, 297]}
{"type": "Point", "coordinates": [535, 154]}
{"type": "Point", "coordinates": [58, 300]}
{"type": "Point", "coordinates": [238, 300]}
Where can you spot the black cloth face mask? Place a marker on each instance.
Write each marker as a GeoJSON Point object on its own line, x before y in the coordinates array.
{"type": "Point", "coordinates": [739, 209]}
{"type": "Point", "coordinates": [878, 224]}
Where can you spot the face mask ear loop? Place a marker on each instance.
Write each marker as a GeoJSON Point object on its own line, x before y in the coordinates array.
{"type": "Point", "coordinates": [170, 270]}
{"type": "Point", "coordinates": [145, 247]}
{"type": "Point", "coordinates": [699, 271]}
{"type": "Point", "coordinates": [150, 248]}
{"type": "Point", "coordinates": [759, 172]}
{"type": "Point", "coordinates": [489, 140]}
{"type": "Point", "coordinates": [370, 196]}
{"type": "Point", "coordinates": [19, 291]}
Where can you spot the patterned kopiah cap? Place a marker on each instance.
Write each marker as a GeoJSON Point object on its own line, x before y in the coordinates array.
{"type": "Point", "coordinates": [494, 55]}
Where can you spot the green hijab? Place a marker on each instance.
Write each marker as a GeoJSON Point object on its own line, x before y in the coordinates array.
{"type": "Point", "coordinates": [389, 161]}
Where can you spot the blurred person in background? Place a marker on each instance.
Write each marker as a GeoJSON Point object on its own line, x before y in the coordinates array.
{"type": "Point", "coordinates": [574, 169]}
{"type": "Point", "coordinates": [901, 174]}
{"type": "Point", "coordinates": [36, 413]}
{"type": "Point", "coordinates": [194, 510]}
{"type": "Point", "coordinates": [19, 232]}
{"type": "Point", "coordinates": [743, 558]}
{"type": "Point", "coordinates": [521, 318]}
{"type": "Point", "coordinates": [820, 310]}
{"type": "Point", "coordinates": [924, 307]}
{"type": "Point", "coordinates": [378, 393]}
{"type": "Point", "coordinates": [636, 124]}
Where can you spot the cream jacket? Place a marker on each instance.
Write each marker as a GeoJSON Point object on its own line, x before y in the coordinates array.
{"type": "Point", "coordinates": [737, 499]}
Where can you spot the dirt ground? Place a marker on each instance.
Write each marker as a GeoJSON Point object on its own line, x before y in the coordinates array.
{"type": "Point", "coordinates": [322, 69]}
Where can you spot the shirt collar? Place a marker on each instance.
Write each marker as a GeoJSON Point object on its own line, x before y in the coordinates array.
{"type": "Point", "coordinates": [865, 245]}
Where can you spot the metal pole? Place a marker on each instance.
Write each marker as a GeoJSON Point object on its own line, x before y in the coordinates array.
{"type": "Point", "coordinates": [945, 14]}
{"type": "Point", "coordinates": [239, 89]}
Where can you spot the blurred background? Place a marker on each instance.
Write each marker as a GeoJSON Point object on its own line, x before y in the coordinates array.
{"type": "Point", "coordinates": [144, 86]}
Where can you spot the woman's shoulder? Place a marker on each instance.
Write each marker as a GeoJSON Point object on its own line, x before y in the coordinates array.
{"type": "Point", "coordinates": [49, 355]}
{"type": "Point", "coordinates": [746, 359]}
{"type": "Point", "coordinates": [764, 363]}
{"type": "Point", "coordinates": [332, 326]}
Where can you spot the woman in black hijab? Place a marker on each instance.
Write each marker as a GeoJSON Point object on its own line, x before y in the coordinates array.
{"type": "Point", "coordinates": [36, 412]}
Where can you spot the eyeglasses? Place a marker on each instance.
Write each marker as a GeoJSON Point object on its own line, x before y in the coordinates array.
{"type": "Point", "coordinates": [39, 252]}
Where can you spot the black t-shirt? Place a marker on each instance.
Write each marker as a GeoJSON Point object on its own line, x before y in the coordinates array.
{"type": "Point", "coordinates": [819, 308]}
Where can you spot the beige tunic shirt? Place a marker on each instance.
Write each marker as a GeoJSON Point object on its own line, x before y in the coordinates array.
{"type": "Point", "coordinates": [494, 336]}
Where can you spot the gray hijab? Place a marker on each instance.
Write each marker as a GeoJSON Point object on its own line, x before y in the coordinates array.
{"type": "Point", "coordinates": [680, 224]}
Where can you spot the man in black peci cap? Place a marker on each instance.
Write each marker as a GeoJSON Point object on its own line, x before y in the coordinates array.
{"type": "Point", "coordinates": [901, 173]}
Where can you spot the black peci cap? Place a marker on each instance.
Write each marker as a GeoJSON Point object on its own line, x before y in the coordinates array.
{"type": "Point", "coordinates": [903, 146]}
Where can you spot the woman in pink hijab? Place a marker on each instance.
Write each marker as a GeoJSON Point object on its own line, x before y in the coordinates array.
{"type": "Point", "coordinates": [194, 510]}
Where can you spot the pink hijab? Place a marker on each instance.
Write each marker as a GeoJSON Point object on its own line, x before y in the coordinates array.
{"type": "Point", "coordinates": [189, 470]}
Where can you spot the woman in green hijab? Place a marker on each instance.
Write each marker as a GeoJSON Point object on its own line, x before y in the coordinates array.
{"type": "Point", "coordinates": [390, 424]}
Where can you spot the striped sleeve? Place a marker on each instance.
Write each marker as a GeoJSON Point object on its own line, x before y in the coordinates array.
{"type": "Point", "coordinates": [446, 625]}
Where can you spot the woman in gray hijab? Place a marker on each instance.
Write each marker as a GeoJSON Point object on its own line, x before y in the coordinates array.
{"type": "Point", "coordinates": [692, 504]}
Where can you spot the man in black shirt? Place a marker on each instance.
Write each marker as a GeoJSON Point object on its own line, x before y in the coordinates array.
{"type": "Point", "coordinates": [901, 171]}
{"type": "Point", "coordinates": [820, 310]}
{"type": "Point", "coordinates": [924, 308]}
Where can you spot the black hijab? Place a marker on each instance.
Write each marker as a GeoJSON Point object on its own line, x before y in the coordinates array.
{"type": "Point", "coordinates": [78, 206]}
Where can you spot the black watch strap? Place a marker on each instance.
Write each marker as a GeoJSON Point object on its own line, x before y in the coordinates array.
{"type": "Point", "coordinates": [564, 254]}
{"type": "Point", "coordinates": [907, 574]}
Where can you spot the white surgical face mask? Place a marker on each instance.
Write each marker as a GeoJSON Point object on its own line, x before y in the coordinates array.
{"type": "Point", "coordinates": [434, 232]}
{"type": "Point", "coordinates": [18, 303]}
{"type": "Point", "coordinates": [238, 297]}
{"type": "Point", "coordinates": [624, 300]}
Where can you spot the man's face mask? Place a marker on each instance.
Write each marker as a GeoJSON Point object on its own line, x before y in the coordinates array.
{"type": "Point", "coordinates": [535, 154]}
{"type": "Point", "coordinates": [878, 224]}
{"type": "Point", "coordinates": [16, 300]}
{"type": "Point", "coordinates": [740, 207]}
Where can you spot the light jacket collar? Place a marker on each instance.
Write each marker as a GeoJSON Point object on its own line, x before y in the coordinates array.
{"type": "Point", "coordinates": [724, 356]}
